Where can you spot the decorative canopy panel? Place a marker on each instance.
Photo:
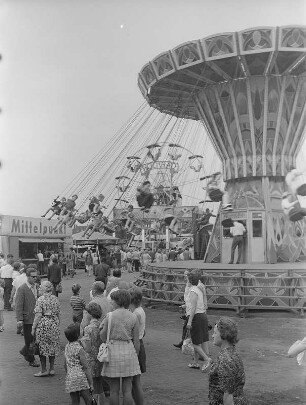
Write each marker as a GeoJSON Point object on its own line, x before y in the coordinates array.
{"type": "Point", "coordinates": [248, 89]}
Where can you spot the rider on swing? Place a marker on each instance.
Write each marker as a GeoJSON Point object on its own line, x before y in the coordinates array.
{"type": "Point", "coordinates": [217, 195]}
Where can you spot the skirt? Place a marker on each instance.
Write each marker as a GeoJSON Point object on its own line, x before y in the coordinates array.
{"type": "Point", "coordinates": [123, 360]}
{"type": "Point", "coordinates": [199, 329]}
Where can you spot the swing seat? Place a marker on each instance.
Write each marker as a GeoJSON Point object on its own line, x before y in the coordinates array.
{"type": "Point", "coordinates": [215, 195]}
{"type": "Point", "coordinates": [295, 215]}
{"type": "Point", "coordinates": [301, 190]}
{"type": "Point", "coordinates": [227, 223]}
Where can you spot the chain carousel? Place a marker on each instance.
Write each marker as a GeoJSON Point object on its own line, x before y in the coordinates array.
{"type": "Point", "coordinates": [159, 149]}
{"type": "Point", "coordinates": [227, 109]}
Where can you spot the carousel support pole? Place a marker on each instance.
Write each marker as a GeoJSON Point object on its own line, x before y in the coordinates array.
{"type": "Point", "coordinates": [167, 238]}
{"type": "Point", "coordinates": [143, 239]}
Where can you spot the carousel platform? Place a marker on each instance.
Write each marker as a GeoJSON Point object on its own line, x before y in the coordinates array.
{"type": "Point", "coordinates": [279, 286]}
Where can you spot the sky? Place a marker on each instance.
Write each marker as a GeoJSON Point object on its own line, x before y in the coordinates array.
{"type": "Point", "coordinates": [68, 77]}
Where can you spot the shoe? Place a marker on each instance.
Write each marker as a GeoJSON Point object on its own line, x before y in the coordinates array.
{"type": "Point", "coordinates": [178, 346]}
{"type": "Point", "coordinates": [206, 366]}
{"type": "Point", "coordinates": [1, 329]}
{"type": "Point", "coordinates": [40, 374]}
{"type": "Point", "coordinates": [51, 373]}
{"type": "Point", "coordinates": [33, 364]}
{"type": "Point", "coordinates": [230, 262]}
{"type": "Point", "coordinates": [194, 365]}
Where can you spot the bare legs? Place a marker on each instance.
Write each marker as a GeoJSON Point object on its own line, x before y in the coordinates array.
{"type": "Point", "coordinates": [137, 390]}
{"type": "Point", "coordinates": [126, 390]}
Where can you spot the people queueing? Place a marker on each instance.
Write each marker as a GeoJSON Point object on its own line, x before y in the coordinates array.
{"type": "Point", "coordinates": [56, 207]}
{"type": "Point", "coordinates": [238, 231]}
{"type": "Point", "coordinates": [145, 198]}
{"type": "Point", "coordinates": [216, 194]}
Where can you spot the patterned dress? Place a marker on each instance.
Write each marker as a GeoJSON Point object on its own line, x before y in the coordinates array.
{"type": "Point", "coordinates": [227, 375]}
{"type": "Point", "coordinates": [92, 335]}
{"type": "Point", "coordinates": [76, 379]}
{"type": "Point", "coordinates": [48, 331]}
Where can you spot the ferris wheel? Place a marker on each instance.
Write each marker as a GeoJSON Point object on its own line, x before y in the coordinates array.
{"type": "Point", "coordinates": [169, 167]}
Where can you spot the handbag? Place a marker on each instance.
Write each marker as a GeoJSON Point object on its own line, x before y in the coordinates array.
{"type": "Point", "coordinates": [33, 349]}
{"type": "Point", "coordinates": [93, 399]}
{"type": "Point", "coordinates": [187, 347]}
{"type": "Point", "coordinates": [103, 355]}
{"type": "Point", "coordinates": [59, 288]}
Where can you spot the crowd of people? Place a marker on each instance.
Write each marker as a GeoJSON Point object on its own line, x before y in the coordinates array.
{"type": "Point", "coordinates": [113, 314]}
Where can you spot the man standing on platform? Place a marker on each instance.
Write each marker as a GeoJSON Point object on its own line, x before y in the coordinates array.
{"type": "Point", "coordinates": [238, 230]}
{"type": "Point", "coordinates": [6, 273]}
{"type": "Point", "coordinates": [25, 303]}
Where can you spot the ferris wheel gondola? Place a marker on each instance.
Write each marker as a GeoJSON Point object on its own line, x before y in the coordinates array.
{"type": "Point", "coordinates": [133, 163]}
{"type": "Point", "coordinates": [196, 162]}
{"type": "Point", "coordinates": [122, 183]}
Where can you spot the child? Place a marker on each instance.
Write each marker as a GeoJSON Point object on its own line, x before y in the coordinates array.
{"type": "Point", "coordinates": [56, 207]}
{"type": "Point", "coordinates": [1, 305]}
{"type": "Point", "coordinates": [78, 378]}
{"type": "Point", "coordinates": [144, 196]}
{"type": "Point", "coordinates": [295, 181]}
{"type": "Point", "coordinates": [130, 222]}
{"type": "Point", "coordinates": [67, 212]}
{"type": "Point", "coordinates": [292, 208]}
{"type": "Point", "coordinates": [215, 194]}
{"type": "Point", "coordinates": [136, 300]}
{"type": "Point", "coordinates": [91, 343]}
{"type": "Point", "coordinates": [78, 303]}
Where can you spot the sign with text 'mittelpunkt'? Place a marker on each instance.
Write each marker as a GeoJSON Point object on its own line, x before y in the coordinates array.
{"type": "Point", "coordinates": [27, 226]}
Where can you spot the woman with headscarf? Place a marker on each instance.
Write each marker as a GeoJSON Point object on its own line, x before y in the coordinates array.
{"type": "Point", "coordinates": [46, 329]}
{"type": "Point", "coordinates": [226, 376]}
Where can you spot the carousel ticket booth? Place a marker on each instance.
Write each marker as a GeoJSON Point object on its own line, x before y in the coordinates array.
{"type": "Point", "coordinates": [23, 237]}
{"type": "Point", "coordinates": [254, 238]}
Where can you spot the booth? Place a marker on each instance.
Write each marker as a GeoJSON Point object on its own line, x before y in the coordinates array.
{"type": "Point", "coordinates": [23, 237]}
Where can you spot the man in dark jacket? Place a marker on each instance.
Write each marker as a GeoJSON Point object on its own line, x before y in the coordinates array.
{"type": "Point", "coordinates": [25, 303]}
{"type": "Point", "coordinates": [102, 272]}
{"type": "Point", "coordinates": [55, 274]}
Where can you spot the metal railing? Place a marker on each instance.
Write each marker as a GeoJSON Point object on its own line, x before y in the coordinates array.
{"type": "Point", "coordinates": [235, 289]}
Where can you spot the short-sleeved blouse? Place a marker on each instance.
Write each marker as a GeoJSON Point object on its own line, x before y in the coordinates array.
{"type": "Point", "coordinates": [122, 324]}
{"type": "Point", "coordinates": [227, 375]}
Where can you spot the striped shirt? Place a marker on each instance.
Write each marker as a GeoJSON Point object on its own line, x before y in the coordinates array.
{"type": "Point", "coordinates": [77, 302]}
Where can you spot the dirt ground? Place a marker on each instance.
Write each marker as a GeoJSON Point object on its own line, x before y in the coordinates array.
{"type": "Point", "coordinates": [264, 339]}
